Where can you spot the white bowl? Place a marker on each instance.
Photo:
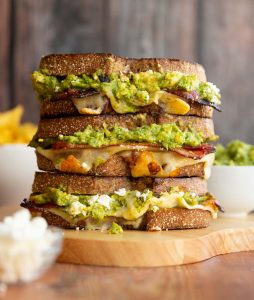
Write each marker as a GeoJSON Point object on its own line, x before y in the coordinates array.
{"type": "Point", "coordinates": [17, 168]}
{"type": "Point", "coordinates": [233, 187]}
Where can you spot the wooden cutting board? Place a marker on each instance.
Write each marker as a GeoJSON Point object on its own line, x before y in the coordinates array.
{"type": "Point", "coordinates": [150, 249]}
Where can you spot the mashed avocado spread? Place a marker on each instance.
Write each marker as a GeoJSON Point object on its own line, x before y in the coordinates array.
{"type": "Point", "coordinates": [129, 205]}
{"type": "Point", "coordinates": [126, 91]}
{"type": "Point", "coordinates": [115, 228]}
{"type": "Point", "coordinates": [236, 153]}
{"type": "Point", "coordinates": [169, 135]}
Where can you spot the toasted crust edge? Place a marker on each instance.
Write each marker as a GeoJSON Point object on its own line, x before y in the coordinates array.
{"type": "Point", "coordinates": [177, 218]}
{"type": "Point", "coordinates": [88, 63]}
{"type": "Point", "coordinates": [85, 184]}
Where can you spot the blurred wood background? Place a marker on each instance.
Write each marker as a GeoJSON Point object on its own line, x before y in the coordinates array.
{"type": "Point", "coordinates": [218, 34]}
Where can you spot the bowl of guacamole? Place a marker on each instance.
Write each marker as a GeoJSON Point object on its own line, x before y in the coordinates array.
{"type": "Point", "coordinates": [232, 179]}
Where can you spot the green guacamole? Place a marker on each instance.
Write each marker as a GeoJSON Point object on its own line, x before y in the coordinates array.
{"type": "Point", "coordinates": [115, 228]}
{"type": "Point", "coordinates": [128, 204]}
{"type": "Point", "coordinates": [236, 153]}
{"type": "Point", "coordinates": [126, 92]}
{"type": "Point", "coordinates": [169, 135]}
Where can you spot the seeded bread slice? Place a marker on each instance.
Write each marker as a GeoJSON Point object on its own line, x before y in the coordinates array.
{"type": "Point", "coordinates": [177, 218]}
{"type": "Point", "coordinates": [88, 63]}
{"type": "Point", "coordinates": [90, 185]}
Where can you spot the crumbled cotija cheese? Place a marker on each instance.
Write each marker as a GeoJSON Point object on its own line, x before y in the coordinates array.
{"type": "Point", "coordinates": [27, 247]}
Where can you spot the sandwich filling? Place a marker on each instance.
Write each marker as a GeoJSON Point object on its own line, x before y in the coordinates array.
{"type": "Point", "coordinates": [130, 205]}
{"type": "Point", "coordinates": [128, 92]}
{"type": "Point", "coordinates": [168, 135]}
{"type": "Point", "coordinates": [143, 160]}
{"type": "Point", "coordinates": [149, 155]}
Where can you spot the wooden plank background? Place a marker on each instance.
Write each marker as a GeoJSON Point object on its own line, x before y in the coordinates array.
{"type": "Point", "coordinates": [218, 34]}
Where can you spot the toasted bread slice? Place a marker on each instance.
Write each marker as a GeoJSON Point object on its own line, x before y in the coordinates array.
{"type": "Point", "coordinates": [77, 64]}
{"type": "Point", "coordinates": [91, 185]}
{"type": "Point", "coordinates": [68, 126]}
{"type": "Point", "coordinates": [177, 218]}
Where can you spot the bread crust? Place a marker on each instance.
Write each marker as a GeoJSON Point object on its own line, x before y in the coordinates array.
{"type": "Point", "coordinates": [62, 108]}
{"type": "Point", "coordinates": [117, 166]}
{"type": "Point", "coordinates": [177, 218]}
{"type": "Point", "coordinates": [88, 63]}
{"type": "Point", "coordinates": [91, 185]}
{"type": "Point", "coordinates": [69, 125]}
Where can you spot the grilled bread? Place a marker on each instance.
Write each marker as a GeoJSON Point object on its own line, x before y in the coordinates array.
{"type": "Point", "coordinates": [161, 219]}
{"type": "Point", "coordinates": [78, 64]}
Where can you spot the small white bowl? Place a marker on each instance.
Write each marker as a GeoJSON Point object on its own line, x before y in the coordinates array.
{"type": "Point", "coordinates": [233, 187]}
{"type": "Point", "coordinates": [17, 168]}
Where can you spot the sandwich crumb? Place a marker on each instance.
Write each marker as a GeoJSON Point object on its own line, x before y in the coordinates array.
{"type": "Point", "coordinates": [156, 228]}
{"type": "Point", "coordinates": [115, 228]}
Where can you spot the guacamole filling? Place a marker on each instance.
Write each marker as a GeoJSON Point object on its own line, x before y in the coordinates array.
{"type": "Point", "coordinates": [235, 153]}
{"type": "Point", "coordinates": [115, 228]}
{"type": "Point", "coordinates": [126, 204]}
{"type": "Point", "coordinates": [126, 92]}
{"type": "Point", "coordinates": [169, 135]}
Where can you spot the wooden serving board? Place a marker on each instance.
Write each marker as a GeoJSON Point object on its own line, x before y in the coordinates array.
{"type": "Point", "coordinates": [150, 249]}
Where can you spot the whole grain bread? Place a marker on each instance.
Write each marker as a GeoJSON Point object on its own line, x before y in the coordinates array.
{"type": "Point", "coordinates": [65, 107]}
{"type": "Point", "coordinates": [69, 125]}
{"type": "Point", "coordinates": [88, 63]}
{"type": "Point", "coordinates": [177, 218]}
{"type": "Point", "coordinates": [80, 184]}
{"type": "Point", "coordinates": [117, 166]}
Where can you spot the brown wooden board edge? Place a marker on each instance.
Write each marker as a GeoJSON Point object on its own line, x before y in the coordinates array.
{"type": "Point", "coordinates": [139, 253]}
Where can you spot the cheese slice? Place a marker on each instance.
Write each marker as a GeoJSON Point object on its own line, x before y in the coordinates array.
{"type": "Point", "coordinates": [90, 105]}
{"type": "Point", "coordinates": [149, 160]}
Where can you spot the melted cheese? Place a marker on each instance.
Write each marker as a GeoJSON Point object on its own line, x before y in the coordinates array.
{"type": "Point", "coordinates": [149, 161]}
{"type": "Point", "coordinates": [91, 224]}
{"type": "Point", "coordinates": [170, 103]}
{"type": "Point", "coordinates": [91, 105]}
{"type": "Point", "coordinates": [129, 214]}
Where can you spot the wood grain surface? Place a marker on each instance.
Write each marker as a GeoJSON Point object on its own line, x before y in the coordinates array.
{"type": "Point", "coordinates": [218, 34]}
{"type": "Point", "coordinates": [223, 277]}
{"type": "Point", "coordinates": [153, 249]}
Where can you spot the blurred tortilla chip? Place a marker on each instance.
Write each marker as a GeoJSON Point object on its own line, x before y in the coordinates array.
{"type": "Point", "coordinates": [12, 131]}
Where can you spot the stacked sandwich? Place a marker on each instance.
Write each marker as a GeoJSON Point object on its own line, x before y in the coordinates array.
{"type": "Point", "coordinates": [123, 142]}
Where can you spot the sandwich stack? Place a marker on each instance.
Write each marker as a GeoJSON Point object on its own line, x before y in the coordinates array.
{"type": "Point", "coordinates": [123, 143]}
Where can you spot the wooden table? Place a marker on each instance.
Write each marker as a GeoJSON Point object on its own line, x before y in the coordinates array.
{"type": "Point", "coordinates": [225, 277]}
